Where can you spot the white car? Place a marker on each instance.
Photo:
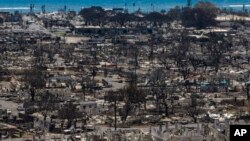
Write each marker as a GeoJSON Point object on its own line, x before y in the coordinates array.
{"type": "Point", "coordinates": [21, 110]}
{"type": "Point", "coordinates": [9, 111]}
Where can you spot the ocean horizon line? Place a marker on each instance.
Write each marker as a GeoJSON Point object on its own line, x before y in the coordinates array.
{"type": "Point", "coordinates": [130, 8]}
{"type": "Point", "coordinates": [14, 8]}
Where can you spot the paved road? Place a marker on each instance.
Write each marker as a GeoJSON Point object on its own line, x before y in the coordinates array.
{"type": "Point", "coordinates": [228, 98]}
{"type": "Point", "coordinates": [16, 139]}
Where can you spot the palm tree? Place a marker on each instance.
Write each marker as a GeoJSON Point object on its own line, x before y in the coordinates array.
{"type": "Point", "coordinates": [188, 3]}
{"type": "Point", "coordinates": [43, 9]}
{"type": "Point", "coordinates": [32, 8]}
{"type": "Point", "coordinates": [153, 8]}
{"type": "Point", "coordinates": [133, 7]}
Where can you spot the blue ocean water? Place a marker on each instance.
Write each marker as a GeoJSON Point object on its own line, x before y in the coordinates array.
{"type": "Point", "coordinates": [144, 5]}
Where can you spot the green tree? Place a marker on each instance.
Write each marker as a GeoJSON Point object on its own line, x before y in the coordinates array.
{"type": "Point", "coordinates": [201, 16]}
{"type": "Point", "coordinates": [123, 18]}
{"type": "Point", "coordinates": [156, 18]}
{"type": "Point", "coordinates": [93, 15]}
{"type": "Point", "coordinates": [174, 13]}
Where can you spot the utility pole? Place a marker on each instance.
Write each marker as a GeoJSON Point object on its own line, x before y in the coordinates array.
{"type": "Point", "coordinates": [248, 91]}
{"type": "Point", "coordinates": [115, 112]}
{"type": "Point", "coordinates": [83, 89]}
